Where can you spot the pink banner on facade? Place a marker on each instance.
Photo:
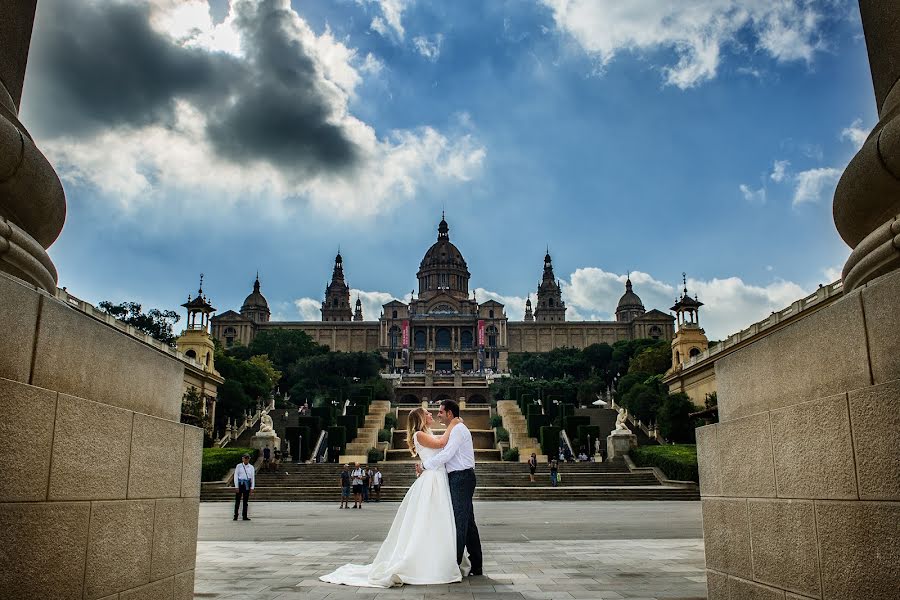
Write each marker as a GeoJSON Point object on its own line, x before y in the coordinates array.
{"type": "Point", "coordinates": [481, 332]}
{"type": "Point", "coordinates": [404, 332]}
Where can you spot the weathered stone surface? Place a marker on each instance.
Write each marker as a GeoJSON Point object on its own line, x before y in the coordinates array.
{"type": "Point", "coordinates": [716, 585]}
{"type": "Point", "coordinates": [42, 548]}
{"type": "Point", "coordinates": [184, 586]}
{"type": "Point", "coordinates": [91, 446]}
{"type": "Point", "coordinates": [163, 589]}
{"type": "Point", "coordinates": [726, 533]}
{"type": "Point", "coordinates": [746, 468]}
{"type": "Point", "coordinates": [859, 550]}
{"type": "Point", "coordinates": [783, 542]}
{"type": "Point", "coordinates": [18, 320]}
{"type": "Point", "coordinates": [157, 446]}
{"type": "Point", "coordinates": [27, 430]}
{"type": "Point", "coordinates": [192, 462]}
{"type": "Point", "coordinates": [875, 417]}
{"type": "Point", "coordinates": [740, 589]}
{"type": "Point", "coordinates": [814, 450]}
{"type": "Point", "coordinates": [174, 536]}
{"type": "Point", "coordinates": [821, 355]}
{"type": "Point", "coordinates": [881, 300]}
{"type": "Point", "coordinates": [708, 460]}
{"type": "Point", "coordinates": [82, 356]}
{"type": "Point", "coordinates": [120, 546]}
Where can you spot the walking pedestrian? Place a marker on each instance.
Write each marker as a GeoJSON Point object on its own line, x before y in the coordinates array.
{"type": "Point", "coordinates": [554, 472]}
{"type": "Point", "coordinates": [532, 466]}
{"type": "Point", "coordinates": [244, 484]}
{"type": "Point", "coordinates": [367, 482]}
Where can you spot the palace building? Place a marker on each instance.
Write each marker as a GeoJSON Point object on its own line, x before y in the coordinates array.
{"type": "Point", "coordinates": [444, 329]}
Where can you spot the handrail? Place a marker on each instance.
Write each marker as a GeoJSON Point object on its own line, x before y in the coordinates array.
{"type": "Point", "coordinates": [317, 450]}
{"type": "Point", "coordinates": [565, 437]}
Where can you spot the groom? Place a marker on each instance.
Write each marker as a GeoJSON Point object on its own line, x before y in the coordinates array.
{"type": "Point", "coordinates": [459, 456]}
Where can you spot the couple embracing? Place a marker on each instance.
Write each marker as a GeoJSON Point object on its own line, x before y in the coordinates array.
{"type": "Point", "coordinates": [433, 538]}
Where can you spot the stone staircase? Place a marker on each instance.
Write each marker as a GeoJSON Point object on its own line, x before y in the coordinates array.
{"type": "Point", "coordinates": [514, 423]}
{"type": "Point", "coordinates": [367, 435]}
{"type": "Point", "coordinates": [496, 481]}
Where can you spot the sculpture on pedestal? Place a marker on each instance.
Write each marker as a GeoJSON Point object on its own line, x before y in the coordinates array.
{"type": "Point", "coordinates": [621, 420]}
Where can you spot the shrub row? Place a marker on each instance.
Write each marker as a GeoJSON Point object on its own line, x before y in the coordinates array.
{"type": "Point", "coordinates": [678, 462]}
{"type": "Point", "coordinates": [218, 461]}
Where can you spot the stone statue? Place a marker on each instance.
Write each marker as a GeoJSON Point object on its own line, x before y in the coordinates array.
{"type": "Point", "coordinates": [621, 427]}
{"type": "Point", "coordinates": [266, 425]}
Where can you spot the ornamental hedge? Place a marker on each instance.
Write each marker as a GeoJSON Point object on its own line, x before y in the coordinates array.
{"type": "Point", "coordinates": [337, 436]}
{"type": "Point", "coordinates": [535, 422]}
{"type": "Point", "coordinates": [550, 441]}
{"type": "Point", "coordinates": [572, 423]}
{"type": "Point", "coordinates": [678, 462]}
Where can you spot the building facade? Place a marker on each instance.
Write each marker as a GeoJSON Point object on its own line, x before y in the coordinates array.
{"type": "Point", "coordinates": [444, 329]}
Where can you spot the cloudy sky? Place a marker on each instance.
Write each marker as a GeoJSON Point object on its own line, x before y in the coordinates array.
{"type": "Point", "coordinates": [651, 137]}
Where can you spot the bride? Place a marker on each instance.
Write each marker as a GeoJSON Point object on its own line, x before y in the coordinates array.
{"type": "Point", "coordinates": [419, 548]}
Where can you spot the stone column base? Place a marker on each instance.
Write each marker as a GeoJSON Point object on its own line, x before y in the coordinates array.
{"type": "Point", "coordinates": [620, 444]}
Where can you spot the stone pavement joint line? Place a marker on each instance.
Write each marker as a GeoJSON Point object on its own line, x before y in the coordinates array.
{"type": "Point", "coordinates": [650, 569]}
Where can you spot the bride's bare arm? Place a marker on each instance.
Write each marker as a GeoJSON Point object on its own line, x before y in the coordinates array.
{"type": "Point", "coordinates": [433, 441]}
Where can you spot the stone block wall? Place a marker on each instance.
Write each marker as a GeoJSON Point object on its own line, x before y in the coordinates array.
{"type": "Point", "coordinates": [101, 496]}
{"type": "Point", "coordinates": [800, 481]}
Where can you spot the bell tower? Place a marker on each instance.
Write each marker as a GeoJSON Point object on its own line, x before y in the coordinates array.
{"type": "Point", "coordinates": [550, 305]}
{"type": "Point", "coordinates": [336, 306]}
{"type": "Point", "coordinates": [195, 340]}
{"type": "Point", "coordinates": [690, 339]}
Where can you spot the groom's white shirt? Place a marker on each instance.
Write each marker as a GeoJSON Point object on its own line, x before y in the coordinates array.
{"type": "Point", "coordinates": [458, 454]}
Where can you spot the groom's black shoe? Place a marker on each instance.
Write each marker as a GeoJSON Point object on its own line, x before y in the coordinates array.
{"type": "Point", "coordinates": [475, 573]}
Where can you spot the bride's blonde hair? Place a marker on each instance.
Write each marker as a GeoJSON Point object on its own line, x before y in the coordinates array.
{"type": "Point", "coordinates": [415, 422]}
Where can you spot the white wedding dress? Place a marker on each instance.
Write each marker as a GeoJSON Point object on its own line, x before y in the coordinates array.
{"type": "Point", "coordinates": [420, 548]}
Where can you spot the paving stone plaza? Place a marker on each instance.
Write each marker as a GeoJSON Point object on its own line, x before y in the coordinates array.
{"type": "Point", "coordinates": [533, 550]}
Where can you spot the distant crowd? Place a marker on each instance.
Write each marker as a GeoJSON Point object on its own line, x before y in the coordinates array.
{"type": "Point", "coordinates": [363, 482]}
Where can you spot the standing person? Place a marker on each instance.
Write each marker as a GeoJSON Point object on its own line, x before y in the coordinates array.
{"type": "Point", "coordinates": [357, 480]}
{"type": "Point", "coordinates": [267, 454]}
{"type": "Point", "coordinates": [367, 481]}
{"type": "Point", "coordinates": [458, 458]}
{"type": "Point", "coordinates": [276, 460]}
{"type": "Point", "coordinates": [532, 466]}
{"type": "Point", "coordinates": [377, 479]}
{"type": "Point", "coordinates": [244, 484]}
{"type": "Point", "coordinates": [345, 487]}
{"type": "Point", "coordinates": [554, 472]}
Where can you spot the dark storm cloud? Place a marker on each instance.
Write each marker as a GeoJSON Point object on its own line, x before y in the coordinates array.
{"type": "Point", "coordinates": [282, 109]}
{"type": "Point", "coordinates": [96, 67]}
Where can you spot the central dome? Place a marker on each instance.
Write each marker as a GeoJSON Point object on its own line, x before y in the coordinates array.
{"type": "Point", "coordinates": [443, 268]}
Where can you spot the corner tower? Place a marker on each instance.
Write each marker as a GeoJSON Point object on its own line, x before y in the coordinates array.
{"type": "Point", "coordinates": [690, 339]}
{"type": "Point", "coordinates": [550, 305]}
{"type": "Point", "coordinates": [337, 295]}
{"type": "Point", "coordinates": [195, 340]}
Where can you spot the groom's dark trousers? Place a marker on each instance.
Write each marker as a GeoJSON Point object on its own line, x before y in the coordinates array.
{"type": "Point", "coordinates": [462, 489]}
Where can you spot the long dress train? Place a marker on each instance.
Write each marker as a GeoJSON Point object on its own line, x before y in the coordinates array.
{"type": "Point", "coordinates": [420, 547]}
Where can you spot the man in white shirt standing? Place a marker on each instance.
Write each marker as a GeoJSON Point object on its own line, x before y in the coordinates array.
{"type": "Point", "coordinates": [459, 457]}
{"type": "Point", "coordinates": [244, 484]}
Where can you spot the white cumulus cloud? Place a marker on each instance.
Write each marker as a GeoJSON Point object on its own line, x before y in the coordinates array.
{"type": "Point", "coordinates": [697, 31]}
{"type": "Point", "coordinates": [812, 185]}
{"type": "Point", "coordinates": [855, 133]}
{"type": "Point", "coordinates": [429, 46]}
{"type": "Point", "coordinates": [753, 196]}
{"type": "Point", "coordinates": [779, 170]}
{"type": "Point", "coordinates": [390, 22]}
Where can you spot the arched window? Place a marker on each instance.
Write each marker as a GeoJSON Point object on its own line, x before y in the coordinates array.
{"type": "Point", "coordinates": [442, 338]}
{"type": "Point", "coordinates": [492, 335]}
{"type": "Point", "coordinates": [420, 339]}
{"type": "Point", "coordinates": [191, 353]}
{"type": "Point", "coordinates": [465, 339]}
{"type": "Point", "coordinates": [394, 337]}
{"type": "Point", "coordinates": [491, 314]}
{"type": "Point", "coordinates": [694, 352]}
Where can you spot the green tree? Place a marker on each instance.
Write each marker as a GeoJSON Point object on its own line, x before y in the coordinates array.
{"type": "Point", "coordinates": [155, 323]}
{"type": "Point", "coordinates": [675, 422]}
{"type": "Point", "coordinates": [654, 360]}
{"type": "Point", "coordinates": [285, 346]}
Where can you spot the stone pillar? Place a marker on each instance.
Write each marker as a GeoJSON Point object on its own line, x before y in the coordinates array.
{"type": "Point", "coordinates": [867, 199]}
{"type": "Point", "coordinates": [101, 493]}
{"type": "Point", "coordinates": [32, 202]}
{"type": "Point", "coordinates": [800, 481]}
